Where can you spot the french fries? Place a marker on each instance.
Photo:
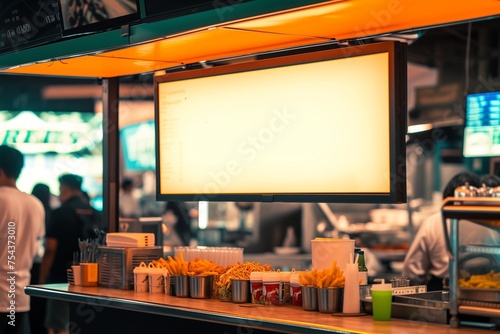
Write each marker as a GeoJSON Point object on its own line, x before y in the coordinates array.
{"type": "Point", "coordinates": [178, 266]}
{"type": "Point", "coordinates": [204, 267]}
{"type": "Point", "coordinates": [240, 271]}
{"type": "Point", "coordinates": [175, 265]}
{"type": "Point", "coordinates": [332, 277]}
{"type": "Point", "coordinates": [490, 280]}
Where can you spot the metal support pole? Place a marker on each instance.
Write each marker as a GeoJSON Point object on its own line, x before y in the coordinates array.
{"type": "Point", "coordinates": [110, 173]}
{"type": "Point", "coordinates": [453, 272]}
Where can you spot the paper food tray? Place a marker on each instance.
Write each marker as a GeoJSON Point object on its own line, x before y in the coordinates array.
{"type": "Point", "coordinates": [125, 239]}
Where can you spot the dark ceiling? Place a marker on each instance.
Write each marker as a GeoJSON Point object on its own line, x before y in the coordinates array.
{"type": "Point", "coordinates": [448, 47]}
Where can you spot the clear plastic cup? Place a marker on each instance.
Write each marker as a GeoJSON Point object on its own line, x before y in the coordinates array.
{"type": "Point", "coordinates": [382, 301]}
{"type": "Point", "coordinates": [285, 287]}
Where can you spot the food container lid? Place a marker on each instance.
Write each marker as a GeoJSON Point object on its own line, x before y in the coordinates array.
{"type": "Point", "coordinates": [382, 286]}
{"type": "Point", "coordinates": [152, 269]}
{"type": "Point", "coordinates": [256, 276]}
{"type": "Point", "coordinates": [271, 276]}
{"type": "Point", "coordinates": [294, 278]}
{"type": "Point", "coordinates": [285, 275]}
{"type": "Point", "coordinates": [142, 268]}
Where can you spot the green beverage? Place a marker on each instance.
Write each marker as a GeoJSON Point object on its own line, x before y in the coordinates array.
{"type": "Point", "coordinates": [382, 303]}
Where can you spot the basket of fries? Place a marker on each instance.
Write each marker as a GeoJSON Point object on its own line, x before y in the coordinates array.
{"type": "Point", "coordinates": [240, 271]}
{"type": "Point", "coordinates": [178, 266]}
{"type": "Point", "coordinates": [322, 289]}
{"type": "Point", "coordinates": [331, 277]}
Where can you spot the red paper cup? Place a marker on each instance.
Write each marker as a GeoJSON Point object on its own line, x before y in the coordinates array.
{"type": "Point", "coordinates": [296, 295]}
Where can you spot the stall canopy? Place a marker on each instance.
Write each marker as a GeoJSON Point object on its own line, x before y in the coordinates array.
{"type": "Point", "coordinates": [174, 42]}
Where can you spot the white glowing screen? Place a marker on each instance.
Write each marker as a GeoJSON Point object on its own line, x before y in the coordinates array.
{"type": "Point", "coordinates": [313, 128]}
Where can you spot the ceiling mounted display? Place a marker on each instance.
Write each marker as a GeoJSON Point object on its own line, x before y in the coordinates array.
{"type": "Point", "coordinates": [26, 24]}
{"type": "Point", "coordinates": [325, 126]}
{"type": "Point", "coordinates": [91, 16]}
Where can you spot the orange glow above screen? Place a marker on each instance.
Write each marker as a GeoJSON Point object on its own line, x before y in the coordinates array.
{"type": "Point", "coordinates": [311, 128]}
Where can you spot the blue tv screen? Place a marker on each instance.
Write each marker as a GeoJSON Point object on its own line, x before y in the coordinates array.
{"type": "Point", "coordinates": [482, 125]}
{"type": "Point", "coordinates": [138, 143]}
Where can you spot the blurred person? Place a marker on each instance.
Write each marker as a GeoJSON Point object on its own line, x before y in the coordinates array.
{"type": "Point", "coordinates": [97, 216]}
{"type": "Point", "coordinates": [42, 192]}
{"type": "Point", "coordinates": [427, 260]}
{"type": "Point", "coordinates": [73, 220]}
{"type": "Point", "coordinates": [180, 215]}
{"type": "Point", "coordinates": [37, 304]}
{"type": "Point", "coordinates": [128, 204]}
{"type": "Point", "coordinates": [21, 226]}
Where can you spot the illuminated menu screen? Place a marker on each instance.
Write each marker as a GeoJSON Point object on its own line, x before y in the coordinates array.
{"type": "Point", "coordinates": [321, 127]}
{"type": "Point", "coordinates": [482, 130]}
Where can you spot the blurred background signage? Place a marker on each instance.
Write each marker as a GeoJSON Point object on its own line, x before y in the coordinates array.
{"type": "Point", "coordinates": [42, 132]}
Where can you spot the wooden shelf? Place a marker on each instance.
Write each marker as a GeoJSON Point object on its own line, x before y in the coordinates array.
{"type": "Point", "coordinates": [290, 319]}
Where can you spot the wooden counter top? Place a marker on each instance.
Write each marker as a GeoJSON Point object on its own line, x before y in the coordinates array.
{"type": "Point", "coordinates": [285, 318]}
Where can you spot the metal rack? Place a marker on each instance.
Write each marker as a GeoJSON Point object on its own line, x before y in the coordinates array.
{"type": "Point", "coordinates": [484, 211]}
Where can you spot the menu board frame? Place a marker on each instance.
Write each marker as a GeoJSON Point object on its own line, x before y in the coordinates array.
{"type": "Point", "coordinates": [396, 115]}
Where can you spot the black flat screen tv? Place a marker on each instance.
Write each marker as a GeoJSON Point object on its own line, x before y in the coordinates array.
{"type": "Point", "coordinates": [325, 126]}
{"type": "Point", "coordinates": [90, 16]}
{"type": "Point", "coordinates": [482, 125]}
{"type": "Point", "coordinates": [169, 9]}
{"type": "Point", "coordinates": [25, 24]}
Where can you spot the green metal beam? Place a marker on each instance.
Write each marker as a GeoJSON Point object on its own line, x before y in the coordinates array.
{"type": "Point", "coordinates": [82, 45]}
{"type": "Point", "coordinates": [224, 11]}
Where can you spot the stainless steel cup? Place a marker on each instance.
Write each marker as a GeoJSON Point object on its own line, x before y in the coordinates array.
{"type": "Point", "coordinates": [240, 290]}
{"type": "Point", "coordinates": [330, 300]}
{"type": "Point", "coordinates": [182, 286]}
{"type": "Point", "coordinates": [172, 285]}
{"type": "Point", "coordinates": [201, 286]}
{"type": "Point", "coordinates": [309, 298]}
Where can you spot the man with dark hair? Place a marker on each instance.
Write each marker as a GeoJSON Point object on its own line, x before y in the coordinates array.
{"type": "Point", "coordinates": [427, 260]}
{"type": "Point", "coordinates": [490, 180]}
{"type": "Point", "coordinates": [21, 226]}
{"type": "Point", "coordinates": [73, 220]}
{"type": "Point", "coordinates": [71, 181]}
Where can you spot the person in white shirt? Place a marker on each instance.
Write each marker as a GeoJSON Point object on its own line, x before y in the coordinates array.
{"type": "Point", "coordinates": [427, 260]}
{"type": "Point", "coordinates": [22, 224]}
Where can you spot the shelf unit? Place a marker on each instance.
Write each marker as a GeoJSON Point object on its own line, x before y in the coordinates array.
{"type": "Point", "coordinates": [484, 211]}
